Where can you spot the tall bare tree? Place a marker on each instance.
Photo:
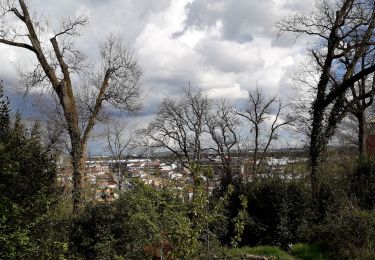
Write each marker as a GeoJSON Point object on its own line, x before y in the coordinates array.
{"type": "Point", "coordinates": [265, 117]}
{"type": "Point", "coordinates": [361, 98]}
{"type": "Point", "coordinates": [344, 31]}
{"type": "Point", "coordinates": [179, 126]}
{"type": "Point", "coordinates": [223, 126]}
{"type": "Point", "coordinates": [59, 65]}
{"type": "Point", "coordinates": [118, 145]}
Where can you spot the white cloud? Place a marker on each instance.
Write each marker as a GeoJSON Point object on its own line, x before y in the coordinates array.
{"type": "Point", "coordinates": [174, 52]}
{"type": "Point", "coordinates": [222, 46]}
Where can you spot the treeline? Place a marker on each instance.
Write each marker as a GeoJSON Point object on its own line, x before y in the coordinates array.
{"type": "Point", "coordinates": [196, 129]}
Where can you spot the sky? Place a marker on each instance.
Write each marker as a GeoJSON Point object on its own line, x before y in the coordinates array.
{"type": "Point", "coordinates": [224, 47]}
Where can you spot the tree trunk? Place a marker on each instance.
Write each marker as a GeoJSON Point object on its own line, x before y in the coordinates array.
{"type": "Point", "coordinates": [361, 134]}
{"type": "Point", "coordinates": [78, 162]}
{"type": "Point", "coordinates": [78, 146]}
{"type": "Point", "coordinates": [317, 146]}
{"type": "Point", "coordinates": [255, 156]}
{"type": "Point", "coordinates": [228, 176]}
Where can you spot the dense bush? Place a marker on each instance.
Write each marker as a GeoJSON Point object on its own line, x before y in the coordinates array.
{"type": "Point", "coordinates": [349, 234]}
{"type": "Point", "coordinates": [331, 198]}
{"type": "Point", "coordinates": [144, 223]}
{"type": "Point", "coordinates": [308, 252]}
{"type": "Point", "coordinates": [278, 211]}
{"type": "Point", "coordinates": [28, 192]}
{"type": "Point", "coordinates": [362, 184]}
{"type": "Point", "coordinates": [342, 223]}
{"type": "Point", "coordinates": [265, 251]}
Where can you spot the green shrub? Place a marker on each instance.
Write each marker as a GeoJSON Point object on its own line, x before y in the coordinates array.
{"type": "Point", "coordinates": [144, 223]}
{"type": "Point", "coordinates": [28, 193]}
{"type": "Point", "coordinates": [307, 252]}
{"type": "Point", "coordinates": [278, 212]}
{"type": "Point", "coordinates": [331, 198]}
{"type": "Point", "coordinates": [270, 252]}
{"type": "Point", "coordinates": [362, 184]}
{"type": "Point", "coordinates": [349, 234]}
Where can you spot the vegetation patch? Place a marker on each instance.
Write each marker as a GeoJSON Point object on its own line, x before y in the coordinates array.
{"type": "Point", "coordinates": [270, 252]}
{"type": "Point", "coordinates": [307, 252]}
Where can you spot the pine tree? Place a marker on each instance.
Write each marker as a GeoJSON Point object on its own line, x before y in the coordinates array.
{"type": "Point", "coordinates": [27, 190]}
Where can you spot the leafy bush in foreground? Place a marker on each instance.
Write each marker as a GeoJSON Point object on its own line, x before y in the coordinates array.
{"type": "Point", "coordinates": [362, 184]}
{"type": "Point", "coordinates": [349, 234]}
{"type": "Point", "coordinates": [28, 192]}
{"type": "Point", "coordinates": [268, 251]}
{"type": "Point", "coordinates": [278, 212]}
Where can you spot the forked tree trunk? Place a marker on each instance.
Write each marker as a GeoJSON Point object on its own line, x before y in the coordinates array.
{"type": "Point", "coordinates": [78, 144]}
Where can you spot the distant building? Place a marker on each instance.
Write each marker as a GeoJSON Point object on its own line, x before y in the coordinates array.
{"type": "Point", "coordinates": [370, 144]}
{"type": "Point", "coordinates": [370, 138]}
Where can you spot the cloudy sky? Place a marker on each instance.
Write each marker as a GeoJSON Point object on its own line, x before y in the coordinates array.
{"type": "Point", "coordinates": [224, 47]}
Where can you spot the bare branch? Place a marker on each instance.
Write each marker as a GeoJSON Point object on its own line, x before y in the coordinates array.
{"type": "Point", "coordinates": [257, 112]}
{"type": "Point", "coordinates": [18, 44]}
{"type": "Point", "coordinates": [70, 26]}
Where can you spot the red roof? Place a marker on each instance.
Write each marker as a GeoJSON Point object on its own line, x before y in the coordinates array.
{"type": "Point", "coordinates": [370, 144]}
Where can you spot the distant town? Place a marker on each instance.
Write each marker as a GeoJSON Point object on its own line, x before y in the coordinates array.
{"type": "Point", "coordinates": [106, 177]}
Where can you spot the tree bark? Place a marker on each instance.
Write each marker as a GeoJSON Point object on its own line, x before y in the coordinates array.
{"type": "Point", "coordinates": [361, 134]}
{"type": "Point", "coordinates": [316, 144]}
{"type": "Point", "coordinates": [78, 163]}
{"type": "Point", "coordinates": [256, 148]}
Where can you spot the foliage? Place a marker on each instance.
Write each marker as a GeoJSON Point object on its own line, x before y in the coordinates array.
{"type": "Point", "coordinates": [279, 211]}
{"type": "Point", "coordinates": [144, 223]}
{"type": "Point", "coordinates": [331, 196]}
{"type": "Point", "coordinates": [349, 234]}
{"type": "Point", "coordinates": [239, 222]}
{"type": "Point", "coordinates": [307, 252]}
{"type": "Point", "coordinates": [149, 223]}
{"type": "Point", "coordinates": [362, 184]}
{"type": "Point", "coordinates": [4, 113]}
{"type": "Point", "coordinates": [207, 213]}
{"type": "Point", "coordinates": [270, 252]}
{"type": "Point", "coordinates": [28, 193]}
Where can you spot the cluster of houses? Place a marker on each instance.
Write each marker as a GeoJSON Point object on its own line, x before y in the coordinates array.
{"type": "Point", "coordinates": [107, 178]}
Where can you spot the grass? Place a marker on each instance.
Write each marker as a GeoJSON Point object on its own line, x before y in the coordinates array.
{"type": "Point", "coordinates": [271, 252]}
{"type": "Point", "coordinates": [298, 252]}
{"type": "Point", "coordinates": [307, 252]}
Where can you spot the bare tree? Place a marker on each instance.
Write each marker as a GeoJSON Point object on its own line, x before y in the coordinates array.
{"type": "Point", "coordinates": [59, 66]}
{"type": "Point", "coordinates": [179, 126]}
{"type": "Point", "coordinates": [347, 132]}
{"type": "Point", "coordinates": [362, 93]}
{"type": "Point", "coordinates": [265, 117]}
{"type": "Point", "coordinates": [344, 32]}
{"type": "Point", "coordinates": [223, 125]}
{"type": "Point", "coordinates": [118, 145]}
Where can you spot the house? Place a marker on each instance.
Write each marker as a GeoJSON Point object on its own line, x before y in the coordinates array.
{"type": "Point", "coordinates": [176, 176]}
{"type": "Point", "coordinates": [136, 166]}
{"type": "Point", "coordinates": [165, 167]}
{"type": "Point", "coordinates": [166, 173]}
